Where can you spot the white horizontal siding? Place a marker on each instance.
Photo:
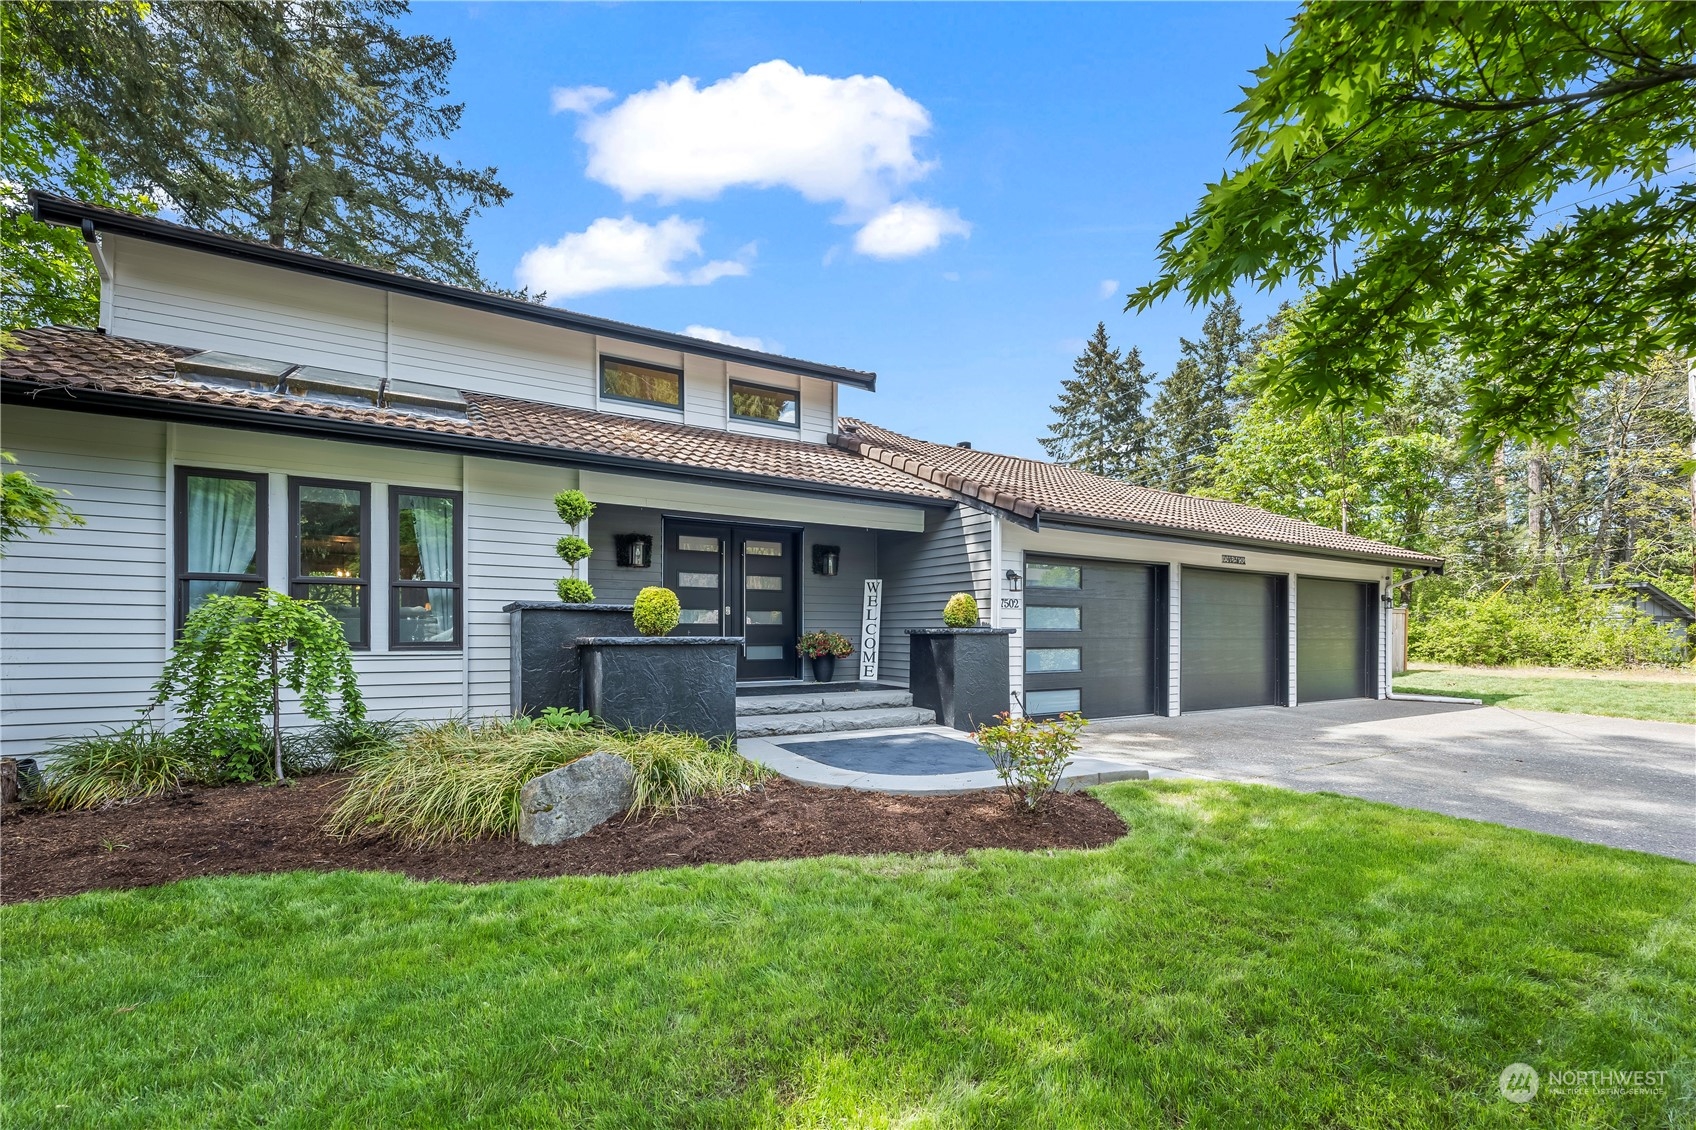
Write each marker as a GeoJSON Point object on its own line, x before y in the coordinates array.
{"type": "Point", "coordinates": [83, 609]}
{"type": "Point", "coordinates": [511, 528]}
{"type": "Point", "coordinates": [921, 571]}
{"type": "Point", "coordinates": [203, 301]}
{"type": "Point", "coordinates": [679, 497]}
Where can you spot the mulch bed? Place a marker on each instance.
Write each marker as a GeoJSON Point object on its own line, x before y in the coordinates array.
{"type": "Point", "coordinates": [253, 829]}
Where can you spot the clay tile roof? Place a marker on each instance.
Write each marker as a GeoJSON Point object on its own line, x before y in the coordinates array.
{"type": "Point", "coordinates": [73, 359]}
{"type": "Point", "coordinates": [1030, 487]}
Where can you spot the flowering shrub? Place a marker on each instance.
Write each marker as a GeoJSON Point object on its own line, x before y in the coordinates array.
{"type": "Point", "coordinates": [817, 644]}
{"type": "Point", "coordinates": [1030, 755]}
{"type": "Point", "coordinates": [961, 611]}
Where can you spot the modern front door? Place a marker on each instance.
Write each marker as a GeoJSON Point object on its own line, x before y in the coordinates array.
{"type": "Point", "coordinates": [738, 581]}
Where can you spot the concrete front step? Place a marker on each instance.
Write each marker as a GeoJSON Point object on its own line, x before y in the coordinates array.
{"type": "Point", "coordinates": [831, 721]}
{"type": "Point", "coordinates": [820, 701]}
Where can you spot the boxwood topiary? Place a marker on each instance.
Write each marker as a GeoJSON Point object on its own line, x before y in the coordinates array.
{"type": "Point", "coordinates": [572, 549]}
{"type": "Point", "coordinates": [961, 611]}
{"type": "Point", "coordinates": [574, 590]}
{"type": "Point", "coordinates": [573, 506]}
{"type": "Point", "coordinates": [657, 611]}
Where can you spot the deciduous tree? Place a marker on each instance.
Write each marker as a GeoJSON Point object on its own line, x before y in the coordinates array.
{"type": "Point", "coordinates": [1510, 177]}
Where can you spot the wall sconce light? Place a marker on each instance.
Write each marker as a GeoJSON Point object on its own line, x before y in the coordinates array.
{"type": "Point", "coordinates": [1014, 580]}
{"type": "Point", "coordinates": [827, 559]}
{"type": "Point", "coordinates": [635, 551]}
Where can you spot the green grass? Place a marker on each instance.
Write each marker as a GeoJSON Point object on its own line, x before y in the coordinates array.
{"type": "Point", "coordinates": [1243, 957]}
{"type": "Point", "coordinates": [1657, 700]}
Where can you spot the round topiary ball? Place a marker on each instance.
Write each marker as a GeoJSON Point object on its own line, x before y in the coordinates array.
{"type": "Point", "coordinates": [572, 549]}
{"type": "Point", "coordinates": [573, 506]}
{"type": "Point", "coordinates": [961, 611]}
{"type": "Point", "coordinates": [657, 611]}
{"type": "Point", "coordinates": [572, 590]}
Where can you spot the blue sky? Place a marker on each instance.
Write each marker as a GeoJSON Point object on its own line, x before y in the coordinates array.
{"type": "Point", "coordinates": [957, 220]}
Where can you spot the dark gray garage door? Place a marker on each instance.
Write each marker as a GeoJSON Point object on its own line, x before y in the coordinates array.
{"type": "Point", "coordinates": [1332, 639]}
{"type": "Point", "coordinates": [1233, 640]}
{"type": "Point", "coordinates": [1092, 637]}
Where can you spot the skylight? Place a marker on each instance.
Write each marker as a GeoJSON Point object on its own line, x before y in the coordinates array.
{"type": "Point", "coordinates": [319, 385]}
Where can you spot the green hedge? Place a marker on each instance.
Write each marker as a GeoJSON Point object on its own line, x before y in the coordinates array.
{"type": "Point", "coordinates": [1539, 623]}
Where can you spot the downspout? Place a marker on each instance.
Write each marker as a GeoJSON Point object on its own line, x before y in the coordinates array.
{"type": "Point", "coordinates": [102, 267]}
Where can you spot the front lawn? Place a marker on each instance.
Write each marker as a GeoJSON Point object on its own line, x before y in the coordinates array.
{"type": "Point", "coordinates": [1653, 696]}
{"type": "Point", "coordinates": [1243, 957]}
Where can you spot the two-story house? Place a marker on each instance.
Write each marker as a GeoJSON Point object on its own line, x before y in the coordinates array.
{"type": "Point", "coordinates": [249, 416]}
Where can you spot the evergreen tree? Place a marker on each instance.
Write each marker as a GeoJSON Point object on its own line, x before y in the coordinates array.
{"type": "Point", "coordinates": [1099, 424]}
{"type": "Point", "coordinates": [305, 125]}
{"type": "Point", "coordinates": [1192, 411]}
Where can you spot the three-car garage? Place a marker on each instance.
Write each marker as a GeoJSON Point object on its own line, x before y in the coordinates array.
{"type": "Point", "coordinates": [1096, 637]}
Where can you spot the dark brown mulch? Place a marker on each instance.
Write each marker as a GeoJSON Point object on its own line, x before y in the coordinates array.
{"type": "Point", "coordinates": [253, 829]}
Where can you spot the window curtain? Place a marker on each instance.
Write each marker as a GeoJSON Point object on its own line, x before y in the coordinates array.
{"type": "Point", "coordinates": [223, 529]}
{"type": "Point", "coordinates": [432, 527]}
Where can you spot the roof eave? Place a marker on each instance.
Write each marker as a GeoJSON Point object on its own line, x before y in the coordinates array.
{"type": "Point", "coordinates": [1409, 560]}
{"type": "Point", "coordinates": [50, 209]}
{"type": "Point", "coordinates": [137, 405]}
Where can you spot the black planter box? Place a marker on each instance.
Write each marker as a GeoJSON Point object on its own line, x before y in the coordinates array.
{"type": "Point", "coordinates": [960, 673]}
{"type": "Point", "coordinates": [684, 683]}
{"type": "Point", "coordinates": [545, 667]}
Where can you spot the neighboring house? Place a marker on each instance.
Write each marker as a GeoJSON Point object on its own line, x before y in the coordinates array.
{"type": "Point", "coordinates": [1657, 604]}
{"type": "Point", "coordinates": [250, 416]}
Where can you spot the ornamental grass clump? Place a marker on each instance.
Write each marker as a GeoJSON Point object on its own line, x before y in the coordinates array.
{"type": "Point", "coordinates": [137, 761]}
{"type": "Point", "coordinates": [461, 780]}
{"type": "Point", "coordinates": [1031, 756]}
{"type": "Point", "coordinates": [961, 611]}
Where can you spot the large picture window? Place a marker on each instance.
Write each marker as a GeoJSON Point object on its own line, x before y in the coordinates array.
{"type": "Point", "coordinates": [220, 536]}
{"type": "Point", "coordinates": [643, 383]}
{"type": "Point", "coordinates": [424, 546]}
{"type": "Point", "coordinates": [767, 405]}
{"type": "Point", "coordinates": [329, 535]}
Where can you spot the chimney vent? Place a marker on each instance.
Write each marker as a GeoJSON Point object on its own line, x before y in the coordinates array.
{"type": "Point", "coordinates": [964, 443]}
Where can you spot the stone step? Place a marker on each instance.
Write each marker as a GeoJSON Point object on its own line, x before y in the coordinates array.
{"type": "Point", "coordinates": [831, 721]}
{"type": "Point", "coordinates": [820, 701]}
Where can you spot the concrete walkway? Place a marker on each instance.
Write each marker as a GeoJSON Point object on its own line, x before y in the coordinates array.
{"type": "Point", "coordinates": [1615, 781]}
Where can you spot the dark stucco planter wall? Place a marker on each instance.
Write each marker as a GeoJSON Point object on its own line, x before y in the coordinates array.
{"type": "Point", "coordinates": [685, 683]}
{"type": "Point", "coordinates": [545, 667]}
{"type": "Point", "coordinates": [960, 673]}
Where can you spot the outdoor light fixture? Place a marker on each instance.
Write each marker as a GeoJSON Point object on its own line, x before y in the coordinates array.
{"type": "Point", "coordinates": [1014, 580]}
{"type": "Point", "coordinates": [635, 551]}
{"type": "Point", "coordinates": [827, 559]}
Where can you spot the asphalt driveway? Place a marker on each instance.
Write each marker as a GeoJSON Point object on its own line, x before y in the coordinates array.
{"type": "Point", "coordinates": [1615, 781]}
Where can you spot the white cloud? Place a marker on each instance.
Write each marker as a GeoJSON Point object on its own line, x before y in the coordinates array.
{"type": "Point", "coordinates": [908, 228]}
{"type": "Point", "coordinates": [1108, 288]}
{"type": "Point", "coordinates": [848, 140]}
{"type": "Point", "coordinates": [577, 99]}
{"type": "Point", "coordinates": [623, 254]}
{"type": "Point", "coordinates": [725, 337]}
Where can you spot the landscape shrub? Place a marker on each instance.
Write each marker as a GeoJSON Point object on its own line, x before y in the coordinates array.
{"type": "Point", "coordinates": [234, 658]}
{"type": "Point", "coordinates": [571, 590]}
{"type": "Point", "coordinates": [1540, 623]}
{"type": "Point", "coordinates": [573, 508]}
{"type": "Point", "coordinates": [1030, 756]}
{"type": "Point", "coordinates": [461, 780]}
{"type": "Point", "coordinates": [137, 761]}
{"type": "Point", "coordinates": [657, 611]}
{"type": "Point", "coordinates": [961, 611]}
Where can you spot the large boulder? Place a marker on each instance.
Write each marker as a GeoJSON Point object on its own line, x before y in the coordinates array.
{"type": "Point", "coordinates": [565, 803]}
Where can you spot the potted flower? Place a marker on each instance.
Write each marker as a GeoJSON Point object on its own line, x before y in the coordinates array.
{"type": "Point", "coordinates": [824, 648]}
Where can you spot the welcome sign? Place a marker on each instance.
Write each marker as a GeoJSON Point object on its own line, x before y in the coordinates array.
{"type": "Point", "coordinates": [871, 630]}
